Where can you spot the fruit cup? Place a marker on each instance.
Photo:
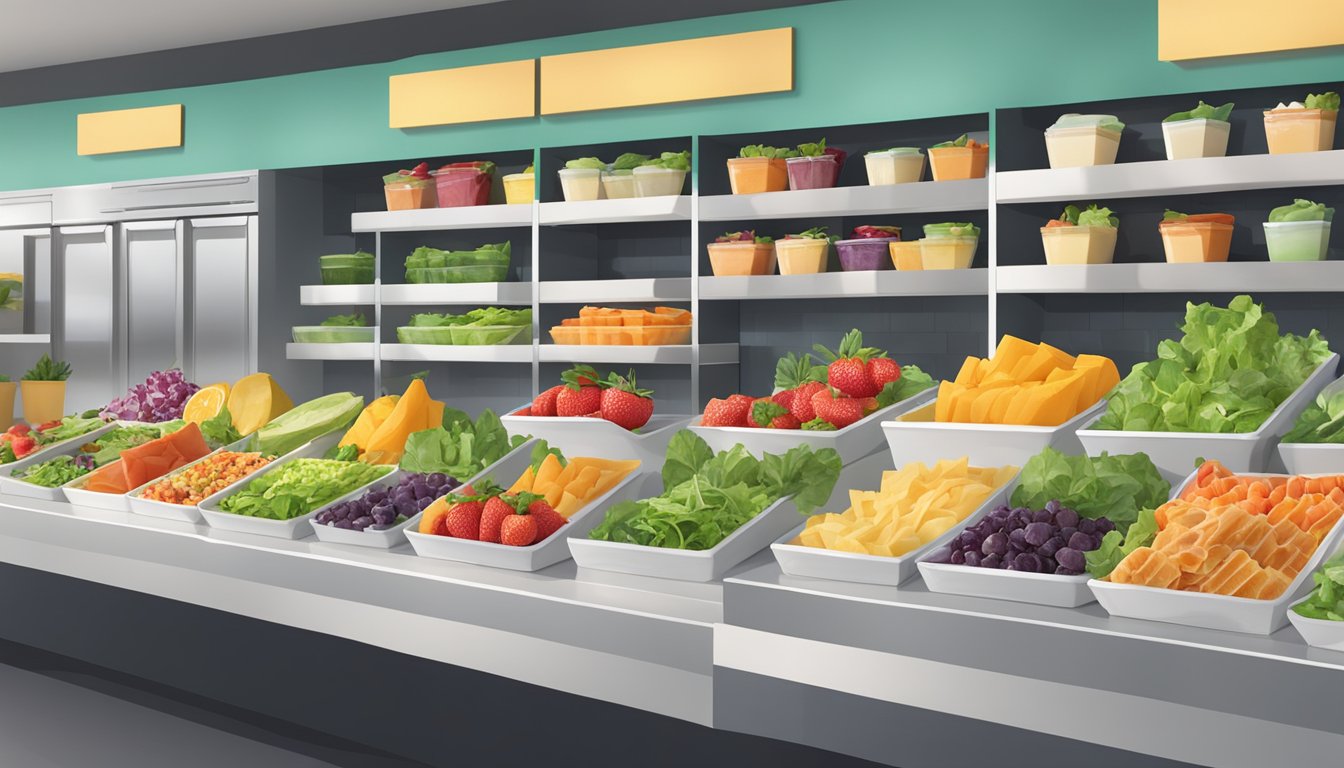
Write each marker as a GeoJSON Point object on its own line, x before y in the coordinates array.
{"type": "Point", "coordinates": [907, 255]}
{"type": "Point", "coordinates": [462, 186]}
{"type": "Point", "coordinates": [899, 165]}
{"type": "Point", "coordinates": [1083, 140]}
{"type": "Point", "coordinates": [1197, 137]}
{"type": "Point", "coordinates": [952, 163]}
{"type": "Point", "coordinates": [520, 188]}
{"type": "Point", "coordinates": [618, 185]}
{"type": "Point", "coordinates": [1300, 130]}
{"type": "Point", "coordinates": [1297, 240]}
{"type": "Point", "coordinates": [820, 172]}
{"type": "Point", "coordinates": [948, 245]}
{"type": "Point", "coordinates": [579, 184]}
{"type": "Point", "coordinates": [802, 256]}
{"type": "Point", "coordinates": [1197, 239]}
{"type": "Point", "coordinates": [742, 258]}
{"type": "Point", "coordinates": [749, 175]}
{"type": "Point", "coordinates": [653, 181]}
{"type": "Point", "coordinates": [1079, 245]}
{"type": "Point", "coordinates": [865, 254]}
{"type": "Point", "coordinates": [7, 390]}
{"type": "Point", "coordinates": [43, 401]}
{"type": "Point", "coordinates": [410, 194]}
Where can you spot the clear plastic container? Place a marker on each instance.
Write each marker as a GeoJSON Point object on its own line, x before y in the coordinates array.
{"type": "Point", "coordinates": [900, 165]}
{"type": "Point", "coordinates": [652, 181]}
{"type": "Point", "coordinates": [619, 186]}
{"type": "Point", "coordinates": [459, 187]}
{"type": "Point", "coordinates": [490, 335]}
{"type": "Point", "coordinates": [622, 335]}
{"type": "Point", "coordinates": [953, 163]}
{"type": "Point", "coordinates": [750, 175]}
{"type": "Point", "coordinates": [907, 255]}
{"type": "Point", "coordinates": [1297, 240]}
{"type": "Point", "coordinates": [1080, 146]}
{"type": "Point", "coordinates": [520, 188]}
{"type": "Point", "coordinates": [1197, 137]}
{"type": "Point", "coordinates": [470, 273]}
{"type": "Point", "coordinates": [415, 334]}
{"type": "Point", "coordinates": [580, 184]}
{"type": "Point", "coordinates": [1300, 130]}
{"type": "Point", "coordinates": [821, 172]}
{"type": "Point", "coordinates": [948, 252]}
{"type": "Point", "coordinates": [332, 334]}
{"type": "Point", "coordinates": [346, 269]}
{"type": "Point", "coordinates": [410, 195]}
{"type": "Point", "coordinates": [801, 256]}
{"type": "Point", "coordinates": [741, 258]}
{"type": "Point", "coordinates": [1195, 242]}
{"type": "Point", "coordinates": [1079, 245]}
{"type": "Point", "coordinates": [865, 254]}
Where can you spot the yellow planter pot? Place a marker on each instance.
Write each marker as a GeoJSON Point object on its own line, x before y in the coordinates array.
{"type": "Point", "coordinates": [802, 257]}
{"type": "Point", "coordinates": [952, 163]}
{"type": "Point", "coordinates": [519, 188]}
{"type": "Point", "coordinates": [43, 401]}
{"type": "Point", "coordinates": [1300, 130]}
{"type": "Point", "coordinates": [7, 390]}
{"type": "Point", "coordinates": [907, 255]}
{"type": "Point", "coordinates": [1079, 245]}
{"type": "Point", "coordinates": [749, 175]}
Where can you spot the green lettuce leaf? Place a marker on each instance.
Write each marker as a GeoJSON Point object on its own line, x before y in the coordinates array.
{"type": "Point", "coordinates": [1328, 100]}
{"type": "Point", "coordinates": [1115, 546]}
{"type": "Point", "coordinates": [1302, 210]}
{"type": "Point", "coordinates": [461, 448]}
{"type": "Point", "coordinates": [1202, 112]}
{"type": "Point", "coordinates": [1115, 487]}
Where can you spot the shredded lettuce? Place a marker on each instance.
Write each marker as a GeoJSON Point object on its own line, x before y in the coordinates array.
{"type": "Point", "coordinates": [586, 163]}
{"type": "Point", "coordinates": [761, 150]}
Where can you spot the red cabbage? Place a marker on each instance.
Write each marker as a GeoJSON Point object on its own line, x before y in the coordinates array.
{"type": "Point", "coordinates": [160, 398]}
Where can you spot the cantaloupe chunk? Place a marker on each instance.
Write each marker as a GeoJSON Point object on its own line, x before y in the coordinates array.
{"type": "Point", "coordinates": [984, 404]}
{"type": "Point", "coordinates": [436, 511]}
{"type": "Point", "coordinates": [546, 473]}
{"type": "Point", "coordinates": [942, 410]}
{"type": "Point", "coordinates": [582, 484]}
{"type": "Point", "coordinates": [1107, 379]}
{"type": "Point", "coordinates": [1010, 350]}
{"type": "Point", "coordinates": [962, 402]}
{"type": "Point", "coordinates": [567, 475]}
{"type": "Point", "coordinates": [524, 482]}
{"type": "Point", "coordinates": [969, 374]}
{"type": "Point", "coordinates": [569, 505]}
{"type": "Point", "coordinates": [1038, 366]}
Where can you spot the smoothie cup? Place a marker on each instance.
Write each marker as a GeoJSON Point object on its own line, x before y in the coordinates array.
{"type": "Point", "coordinates": [750, 175]}
{"type": "Point", "coordinates": [954, 163]}
{"type": "Point", "coordinates": [1083, 140]}
{"type": "Point", "coordinates": [619, 185]}
{"type": "Point", "coordinates": [865, 254]}
{"type": "Point", "coordinates": [1079, 245]}
{"type": "Point", "coordinates": [653, 181]}
{"type": "Point", "coordinates": [463, 186]}
{"type": "Point", "coordinates": [410, 194]}
{"type": "Point", "coordinates": [1297, 240]}
{"type": "Point", "coordinates": [1198, 137]}
{"type": "Point", "coordinates": [580, 184]}
{"type": "Point", "coordinates": [820, 172]}
{"type": "Point", "coordinates": [949, 245]}
{"type": "Point", "coordinates": [802, 256]}
{"type": "Point", "coordinates": [520, 188]}
{"type": "Point", "coordinates": [899, 165]}
{"type": "Point", "coordinates": [741, 258]}
{"type": "Point", "coordinates": [906, 255]}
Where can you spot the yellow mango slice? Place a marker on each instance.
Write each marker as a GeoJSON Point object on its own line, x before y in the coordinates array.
{"type": "Point", "coordinates": [255, 400]}
{"type": "Point", "coordinates": [524, 482]}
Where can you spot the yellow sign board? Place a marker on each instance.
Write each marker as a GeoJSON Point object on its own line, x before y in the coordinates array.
{"type": "Point", "coordinates": [463, 95]}
{"type": "Point", "coordinates": [129, 130]}
{"type": "Point", "coordinates": [661, 73]}
{"type": "Point", "coordinates": [1198, 29]}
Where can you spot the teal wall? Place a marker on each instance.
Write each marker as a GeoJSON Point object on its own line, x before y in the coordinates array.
{"type": "Point", "coordinates": [856, 61]}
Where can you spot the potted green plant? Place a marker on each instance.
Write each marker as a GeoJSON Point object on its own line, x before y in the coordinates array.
{"type": "Point", "coordinates": [43, 389]}
{"type": "Point", "coordinates": [7, 389]}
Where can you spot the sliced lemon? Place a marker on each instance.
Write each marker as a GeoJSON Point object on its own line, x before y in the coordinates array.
{"type": "Point", "coordinates": [206, 403]}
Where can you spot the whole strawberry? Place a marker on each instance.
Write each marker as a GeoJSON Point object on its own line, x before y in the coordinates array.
{"type": "Point", "coordinates": [463, 521]}
{"type": "Point", "coordinates": [768, 414]}
{"type": "Point", "coordinates": [492, 516]}
{"type": "Point", "coordinates": [883, 371]}
{"type": "Point", "coordinates": [624, 404]}
{"type": "Point", "coordinates": [518, 530]}
{"type": "Point", "coordinates": [580, 395]}
{"type": "Point", "coordinates": [801, 406]}
{"type": "Point", "coordinates": [544, 404]}
{"type": "Point", "coordinates": [732, 412]}
{"type": "Point", "coordinates": [784, 398]}
{"type": "Point", "coordinates": [548, 520]}
{"type": "Point", "coordinates": [839, 412]}
{"type": "Point", "coordinates": [848, 368]}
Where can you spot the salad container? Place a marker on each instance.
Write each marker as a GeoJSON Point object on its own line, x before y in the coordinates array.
{"type": "Point", "coordinates": [1196, 137]}
{"type": "Point", "coordinates": [1300, 130]}
{"type": "Point", "coordinates": [1197, 239]}
{"type": "Point", "coordinates": [749, 175]}
{"type": "Point", "coordinates": [489, 335]}
{"type": "Point", "coordinates": [1054, 589]}
{"type": "Point", "coordinates": [908, 255]}
{"type": "Point", "coordinates": [622, 335]}
{"type": "Point", "coordinates": [901, 165]}
{"type": "Point", "coordinates": [741, 258]}
{"type": "Point", "coordinates": [424, 334]}
{"type": "Point", "coordinates": [462, 186]}
{"type": "Point", "coordinates": [915, 436]}
{"type": "Point", "coordinates": [1079, 245]}
{"type": "Point", "coordinates": [1320, 633]}
{"type": "Point", "coordinates": [619, 186]}
{"type": "Point", "coordinates": [520, 188]}
{"type": "Point", "coordinates": [865, 254]}
{"type": "Point", "coordinates": [579, 184]}
{"type": "Point", "coordinates": [802, 256]}
{"type": "Point", "coordinates": [948, 246]}
{"type": "Point", "coordinates": [410, 194]}
{"type": "Point", "coordinates": [953, 163]}
{"type": "Point", "coordinates": [1297, 240]}
{"type": "Point", "coordinates": [1175, 452]}
{"type": "Point", "coordinates": [819, 563]}
{"type": "Point", "coordinates": [1314, 458]}
{"type": "Point", "coordinates": [332, 334]}
{"type": "Point", "coordinates": [1083, 140]}
{"type": "Point", "coordinates": [346, 269]}
{"type": "Point", "coordinates": [653, 181]}
{"type": "Point", "coordinates": [599, 438]}
{"type": "Point", "coordinates": [468, 273]}
{"type": "Point", "coordinates": [12, 486]}
{"type": "Point", "coordinates": [820, 172]}
{"type": "Point", "coordinates": [76, 494]}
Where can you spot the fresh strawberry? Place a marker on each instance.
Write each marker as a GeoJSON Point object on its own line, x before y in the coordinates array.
{"type": "Point", "coordinates": [544, 404]}
{"type": "Point", "coordinates": [580, 394]}
{"type": "Point", "coordinates": [801, 407]}
{"type": "Point", "coordinates": [23, 445]}
{"type": "Point", "coordinates": [492, 515]}
{"type": "Point", "coordinates": [19, 429]}
{"type": "Point", "coordinates": [518, 530]}
{"type": "Point", "coordinates": [848, 368]}
{"type": "Point", "coordinates": [731, 412]}
{"type": "Point", "coordinates": [882, 371]}
{"type": "Point", "coordinates": [786, 421]}
{"type": "Point", "coordinates": [420, 171]}
{"type": "Point", "coordinates": [525, 411]}
{"type": "Point", "coordinates": [463, 521]}
{"type": "Point", "coordinates": [548, 520]}
{"type": "Point", "coordinates": [784, 398]}
{"type": "Point", "coordinates": [839, 412]}
{"type": "Point", "coordinates": [624, 404]}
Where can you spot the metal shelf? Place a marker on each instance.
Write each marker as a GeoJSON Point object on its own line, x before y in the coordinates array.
{"type": "Point", "coordinates": [844, 285]}
{"type": "Point", "coordinates": [710, 354]}
{"type": "Point", "coordinates": [1228, 277]}
{"type": "Point", "coordinates": [432, 219]}
{"type": "Point", "coordinates": [355, 351]}
{"type": "Point", "coordinates": [336, 295]}
{"type": "Point", "coordinates": [478, 294]}
{"type": "Point", "coordinates": [618, 291]}
{"type": "Point", "coordinates": [921, 197]}
{"type": "Point", "coordinates": [25, 338]}
{"type": "Point", "coordinates": [455, 353]}
{"type": "Point", "coordinates": [625, 210]}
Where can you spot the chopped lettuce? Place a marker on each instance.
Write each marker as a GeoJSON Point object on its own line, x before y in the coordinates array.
{"type": "Point", "coordinates": [1328, 101]}
{"type": "Point", "coordinates": [761, 150]}
{"type": "Point", "coordinates": [1115, 545]}
{"type": "Point", "coordinates": [589, 163]}
{"type": "Point", "coordinates": [815, 149]}
{"type": "Point", "coordinates": [460, 448]}
{"type": "Point", "coordinates": [815, 233]}
{"type": "Point", "coordinates": [960, 141]}
{"type": "Point", "coordinates": [1115, 487]}
{"type": "Point", "coordinates": [1302, 210]}
{"type": "Point", "coordinates": [1323, 420]}
{"type": "Point", "coordinates": [1097, 217]}
{"type": "Point", "coordinates": [1326, 601]}
{"type": "Point", "coordinates": [486, 316]}
{"type": "Point", "coordinates": [675, 161]}
{"type": "Point", "coordinates": [628, 161]}
{"type": "Point", "coordinates": [1202, 112]}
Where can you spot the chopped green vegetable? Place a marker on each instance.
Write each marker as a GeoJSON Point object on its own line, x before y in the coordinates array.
{"type": "Point", "coordinates": [676, 161]}
{"type": "Point", "coordinates": [299, 487]}
{"type": "Point", "coordinates": [960, 141]}
{"type": "Point", "coordinates": [486, 316]}
{"type": "Point", "coordinates": [1097, 217]}
{"type": "Point", "coordinates": [1115, 487]}
{"type": "Point", "coordinates": [761, 150]}
{"type": "Point", "coordinates": [108, 448]}
{"type": "Point", "coordinates": [352, 320]}
{"type": "Point", "coordinates": [1326, 601]}
{"type": "Point", "coordinates": [1302, 210]}
{"type": "Point", "coordinates": [913, 381]}
{"type": "Point", "coordinates": [1328, 101]}
{"type": "Point", "coordinates": [218, 431]}
{"type": "Point", "coordinates": [1323, 420]}
{"type": "Point", "coordinates": [460, 448]}
{"type": "Point", "coordinates": [54, 473]}
{"type": "Point", "coordinates": [951, 229]}
{"type": "Point", "coordinates": [70, 426]}
{"type": "Point", "coordinates": [815, 233]}
{"type": "Point", "coordinates": [629, 160]}
{"type": "Point", "coordinates": [812, 150]}
{"type": "Point", "coordinates": [1202, 112]}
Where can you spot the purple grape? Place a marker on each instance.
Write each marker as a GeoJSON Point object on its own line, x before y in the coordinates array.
{"type": "Point", "coordinates": [1028, 562]}
{"type": "Point", "coordinates": [1062, 571]}
{"type": "Point", "coordinates": [1066, 518]}
{"type": "Point", "coordinates": [990, 561]}
{"type": "Point", "coordinates": [1052, 506]}
{"type": "Point", "coordinates": [995, 544]}
{"type": "Point", "coordinates": [423, 503]}
{"type": "Point", "coordinates": [343, 524]}
{"type": "Point", "coordinates": [972, 559]}
{"type": "Point", "coordinates": [1038, 533]}
{"type": "Point", "coordinates": [1087, 525]}
{"type": "Point", "coordinates": [360, 523]}
{"type": "Point", "coordinates": [1072, 559]}
{"type": "Point", "coordinates": [323, 516]}
{"type": "Point", "coordinates": [1104, 525]}
{"type": "Point", "coordinates": [1048, 549]}
{"type": "Point", "coordinates": [957, 557]}
{"type": "Point", "coordinates": [1023, 515]}
{"type": "Point", "coordinates": [382, 518]}
{"type": "Point", "coordinates": [969, 538]}
{"type": "Point", "coordinates": [1043, 516]}
{"type": "Point", "coordinates": [1067, 532]}
{"type": "Point", "coordinates": [1082, 542]}
{"type": "Point", "coordinates": [420, 488]}
{"type": "Point", "coordinates": [1017, 538]}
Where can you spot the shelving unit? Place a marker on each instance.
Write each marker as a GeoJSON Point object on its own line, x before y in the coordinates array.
{"type": "Point", "coordinates": [627, 290]}
{"type": "Point", "coordinates": [624, 211]}
{"type": "Point", "coordinates": [1160, 277]}
{"type": "Point", "coordinates": [924, 197]}
{"type": "Point", "coordinates": [455, 294]}
{"type": "Point", "coordinates": [329, 351]}
{"type": "Point", "coordinates": [442, 219]}
{"type": "Point", "coordinates": [949, 282]}
{"type": "Point", "coordinates": [456, 353]}
{"type": "Point", "coordinates": [337, 295]}
{"type": "Point", "coordinates": [710, 354]}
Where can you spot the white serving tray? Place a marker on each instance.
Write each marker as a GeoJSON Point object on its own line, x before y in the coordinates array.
{"type": "Point", "coordinates": [1312, 458]}
{"type": "Point", "coordinates": [9, 484]}
{"type": "Point", "coordinates": [75, 493]}
{"type": "Point", "coordinates": [1319, 633]}
{"type": "Point", "coordinates": [713, 563]}
{"type": "Point", "coordinates": [854, 442]}
{"type": "Point", "coordinates": [599, 438]}
{"type": "Point", "coordinates": [1018, 586]}
{"type": "Point", "coordinates": [817, 563]}
{"type": "Point", "coordinates": [184, 512]}
{"type": "Point", "coordinates": [1197, 609]}
{"type": "Point", "coordinates": [1175, 452]}
{"type": "Point", "coordinates": [986, 445]}
{"type": "Point", "coordinates": [540, 555]}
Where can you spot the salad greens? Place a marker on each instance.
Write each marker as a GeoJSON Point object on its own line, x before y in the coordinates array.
{"type": "Point", "coordinates": [108, 448]}
{"type": "Point", "coordinates": [1326, 601]}
{"type": "Point", "coordinates": [707, 496]}
{"type": "Point", "coordinates": [1328, 100]}
{"type": "Point", "coordinates": [71, 426]}
{"type": "Point", "coordinates": [628, 161]}
{"type": "Point", "coordinates": [1115, 487]}
{"type": "Point", "coordinates": [586, 163]}
{"type": "Point", "coordinates": [1323, 420]}
{"type": "Point", "coordinates": [815, 233]}
{"type": "Point", "coordinates": [352, 320]}
{"type": "Point", "coordinates": [1302, 210]}
{"type": "Point", "coordinates": [56, 472]}
{"type": "Point", "coordinates": [1227, 373]}
{"type": "Point", "coordinates": [676, 161]}
{"type": "Point", "coordinates": [486, 316]}
{"type": "Point", "coordinates": [1202, 112]}
{"type": "Point", "coordinates": [218, 430]}
{"type": "Point", "coordinates": [772, 153]}
{"type": "Point", "coordinates": [460, 448]}
{"type": "Point", "coordinates": [960, 141]}
{"type": "Point", "coordinates": [299, 487]}
{"type": "Point", "coordinates": [816, 149]}
{"type": "Point", "coordinates": [951, 229]}
{"type": "Point", "coordinates": [1115, 546]}
{"type": "Point", "coordinates": [1092, 216]}
{"type": "Point", "coordinates": [491, 253]}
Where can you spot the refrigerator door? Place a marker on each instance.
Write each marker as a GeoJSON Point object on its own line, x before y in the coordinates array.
{"type": "Point", "coordinates": [221, 298]}
{"type": "Point", "coordinates": [87, 330]}
{"type": "Point", "coordinates": [153, 253]}
{"type": "Point", "coordinates": [25, 270]}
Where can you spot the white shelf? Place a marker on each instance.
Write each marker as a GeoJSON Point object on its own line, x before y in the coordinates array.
{"type": "Point", "coordinates": [1229, 277]}
{"type": "Point", "coordinates": [335, 295]}
{"type": "Point", "coordinates": [665, 208]}
{"type": "Point", "coordinates": [920, 197]}
{"type": "Point", "coordinates": [25, 338]}
{"type": "Point", "coordinates": [482, 294]}
{"type": "Point", "coordinates": [457, 353]}
{"type": "Point", "coordinates": [844, 285]}
{"type": "Point", "coordinates": [1172, 177]}
{"type": "Point", "coordinates": [355, 351]}
{"type": "Point", "coordinates": [710, 354]}
{"type": "Point", "coordinates": [431, 219]}
{"type": "Point", "coordinates": [632, 290]}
